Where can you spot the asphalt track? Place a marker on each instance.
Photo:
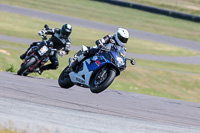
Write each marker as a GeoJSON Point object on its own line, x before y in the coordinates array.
{"type": "Point", "coordinates": [39, 102]}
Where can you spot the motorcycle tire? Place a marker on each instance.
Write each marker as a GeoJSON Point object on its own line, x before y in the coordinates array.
{"type": "Point", "coordinates": [64, 80]}
{"type": "Point", "coordinates": [26, 65]}
{"type": "Point", "coordinates": [104, 85]}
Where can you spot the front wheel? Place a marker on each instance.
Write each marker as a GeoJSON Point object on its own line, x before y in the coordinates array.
{"type": "Point", "coordinates": [26, 66]}
{"type": "Point", "coordinates": [102, 80]}
{"type": "Point", "coordinates": [64, 80]}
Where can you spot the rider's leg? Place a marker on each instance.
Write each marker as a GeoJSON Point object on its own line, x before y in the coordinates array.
{"type": "Point", "coordinates": [73, 62]}
{"type": "Point", "coordinates": [54, 64]}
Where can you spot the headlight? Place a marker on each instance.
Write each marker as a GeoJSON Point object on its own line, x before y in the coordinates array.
{"type": "Point", "coordinates": [120, 61]}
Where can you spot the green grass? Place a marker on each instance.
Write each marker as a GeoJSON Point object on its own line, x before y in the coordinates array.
{"type": "Point", "coordinates": [187, 68]}
{"type": "Point", "coordinates": [26, 27]}
{"type": "Point", "coordinates": [171, 84]}
{"type": "Point", "coordinates": [159, 83]}
{"type": "Point", "coordinates": [8, 131]}
{"type": "Point", "coordinates": [177, 81]}
{"type": "Point", "coordinates": [186, 6]}
{"type": "Point", "coordinates": [116, 15]}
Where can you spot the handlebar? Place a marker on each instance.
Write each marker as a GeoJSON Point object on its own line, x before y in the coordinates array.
{"type": "Point", "coordinates": [57, 51]}
{"type": "Point", "coordinates": [101, 49]}
{"type": "Point", "coordinates": [44, 37]}
{"type": "Point", "coordinates": [54, 49]}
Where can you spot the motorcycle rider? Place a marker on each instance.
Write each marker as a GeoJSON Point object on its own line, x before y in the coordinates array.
{"type": "Point", "coordinates": [119, 40]}
{"type": "Point", "coordinates": [60, 39]}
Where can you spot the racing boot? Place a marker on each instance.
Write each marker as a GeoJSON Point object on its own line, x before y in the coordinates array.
{"type": "Point", "coordinates": [40, 71]}
{"type": "Point", "coordinates": [23, 56]}
{"type": "Point", "coordinates": [43, 68]}
{"type": "Point", "coordinates": [72, 63]}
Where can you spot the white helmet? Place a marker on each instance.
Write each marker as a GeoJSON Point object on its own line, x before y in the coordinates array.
{"type": "Point", "coordinates": [121, 36]}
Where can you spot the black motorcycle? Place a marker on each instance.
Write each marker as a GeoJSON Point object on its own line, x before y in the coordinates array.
{"type": "Point", "coordinates": [37, 56]}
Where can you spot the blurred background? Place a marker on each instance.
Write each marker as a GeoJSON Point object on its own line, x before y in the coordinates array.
{"type": "Point", "coordinates": [187, 6]}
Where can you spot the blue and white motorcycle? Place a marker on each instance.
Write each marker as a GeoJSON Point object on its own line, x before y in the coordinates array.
{"type": "Point", "coordinates": [96, 72]}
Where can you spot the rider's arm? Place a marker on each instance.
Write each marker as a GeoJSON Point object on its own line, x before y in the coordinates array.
{"type": "Point", "coordinates": [66, 48]}
{"type": "Point", "coordinates": [48, 32]}
{"type": "Point", "coordinates": [51, 31]}
{"type": "Point", "coordinates": [124, 48]}
{"type": "Point", "coordinates": [67, 45]}
{"type": "Point", "coordinates": [104, 40]}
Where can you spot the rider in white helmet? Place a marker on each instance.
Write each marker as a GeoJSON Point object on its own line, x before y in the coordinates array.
{"type": "Point", "coordinates": [121, 36]}
{"type": "Point", "coordinates": [119, 40]}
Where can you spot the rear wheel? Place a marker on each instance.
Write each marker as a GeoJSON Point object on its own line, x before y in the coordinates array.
{"type": "Point", "coordinates": [102, 80]}
{"type": "Point", "coordinates": [26, 66]}
{"type": "Point", "coordinates": [64, 80]}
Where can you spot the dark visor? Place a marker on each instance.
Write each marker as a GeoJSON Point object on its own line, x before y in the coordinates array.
{"type": "Point", "coordinates": [122, 39]}
{"type": "Point", "coordinates": [65, 32]}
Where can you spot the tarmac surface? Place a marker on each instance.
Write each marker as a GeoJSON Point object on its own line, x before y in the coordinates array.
{"type": "Point", "coordinates": [40, 103]}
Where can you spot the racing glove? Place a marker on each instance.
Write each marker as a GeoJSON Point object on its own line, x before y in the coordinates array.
{"type": "Point", "coordinates": [42, 32]}
{"type": "Point", "coordinates": [62, 53]}
{"type": "Point", "coordinates": [100, 46]}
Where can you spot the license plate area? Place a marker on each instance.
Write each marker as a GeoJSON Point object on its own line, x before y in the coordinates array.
{"type": "Point", "coordinates": [43, 50]}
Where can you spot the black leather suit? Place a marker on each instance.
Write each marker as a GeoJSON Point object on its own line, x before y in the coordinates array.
{"type": "Point", "coordinates": [59, 42]}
